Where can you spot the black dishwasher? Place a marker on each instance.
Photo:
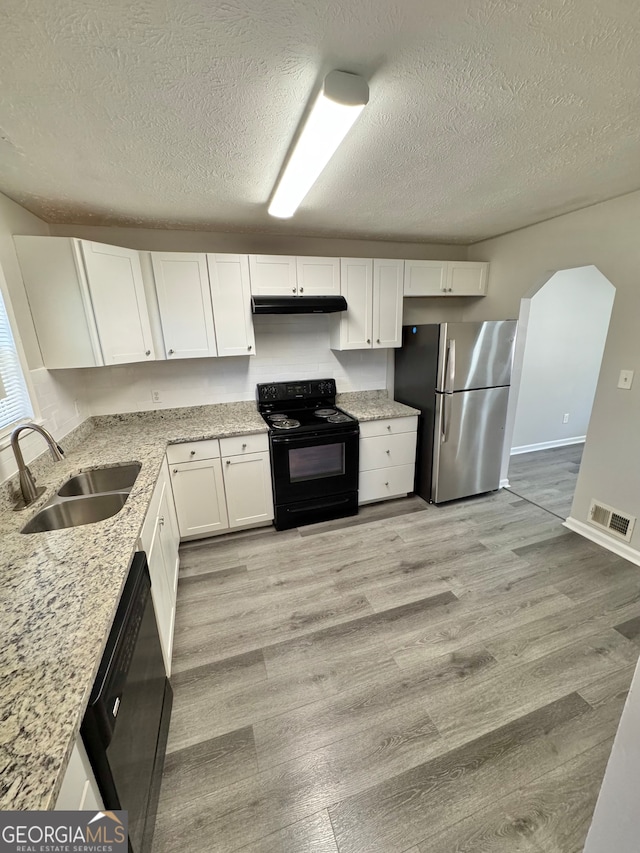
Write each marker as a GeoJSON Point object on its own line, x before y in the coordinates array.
{"type": "Point", "coordinates": [126, 723]}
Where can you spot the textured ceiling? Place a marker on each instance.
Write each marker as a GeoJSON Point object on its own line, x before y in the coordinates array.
{"type": "Point", "coordinates": [485, 115]}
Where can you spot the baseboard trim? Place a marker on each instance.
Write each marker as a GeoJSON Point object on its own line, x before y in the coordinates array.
{"type": "Point", "coordinates": [619, 548]}
{"type": "Point", "coordinates": [546, 445]}
{"type": "Point", "coordinates": [504, 484]}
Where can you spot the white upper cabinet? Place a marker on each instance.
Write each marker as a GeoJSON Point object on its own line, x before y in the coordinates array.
{"type": "Point", "coordinates": [184, 299]}
{"type": "Point", "coordinates": [318, 276]}
{"type": "Point", "coordinates": [425, 278]}
{"type": "Point", "coordinates": [119, 304]}
{"type": "Point", "coordinates": [273, 275]}
{"type": "Point", "coordinates": [87, 301]}
{"type": "Point", "coordinates": [466, 278]}
{"type": "Point", "coordinates": [387, 303]}
{"type": "Point", "coordinates": [352, 329]}
{"type": "Point", "coordinates": [445, 278]}
{"type": "Point", "coordinates": [56, 284]}
{"type": "Point", "coordinates": [231, 296]}
{"type": "Point", "coordinates": [373, 319]}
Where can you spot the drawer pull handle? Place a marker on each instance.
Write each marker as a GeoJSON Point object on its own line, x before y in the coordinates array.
{"type": "Point", "coordinates": [244, 446]}
{"type": "Point", "coordinates": [193, 453]}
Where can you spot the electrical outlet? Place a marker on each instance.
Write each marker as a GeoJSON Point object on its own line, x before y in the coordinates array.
{"type": "Point", "coordinates": [156, 397]}
{"type": "Point", "coordinates": [565, 419]}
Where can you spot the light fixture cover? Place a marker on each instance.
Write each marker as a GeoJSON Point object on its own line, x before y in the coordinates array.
{"type": "Point", "coordinates": [339, 103]}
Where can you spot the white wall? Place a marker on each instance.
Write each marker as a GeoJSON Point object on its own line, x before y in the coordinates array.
{"type": "Point", "coordinates": [565, 339]}
{"type": "Point", "coordinates": [56, 397]}
{"type": "Point", "coordinates": [287, 347]}
{"type": "Point", "coordinates": [605, 235]}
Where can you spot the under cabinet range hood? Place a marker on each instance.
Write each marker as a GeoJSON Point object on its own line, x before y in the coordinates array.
{"type": "Point", "coordinates": [298, 304]}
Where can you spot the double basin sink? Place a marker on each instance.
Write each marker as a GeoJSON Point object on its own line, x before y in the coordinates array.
{"type": "Point", "coordinates": [86, 498]}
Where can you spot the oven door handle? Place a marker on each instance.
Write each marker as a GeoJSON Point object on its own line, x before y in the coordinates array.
{"type": "Point", "coordinates": [310, 438]}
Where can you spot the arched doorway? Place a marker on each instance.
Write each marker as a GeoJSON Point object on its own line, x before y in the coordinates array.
{"type": "Point", "coordinates": [562, 333]}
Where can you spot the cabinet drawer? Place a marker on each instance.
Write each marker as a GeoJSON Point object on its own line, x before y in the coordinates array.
{"type": "Point", "coordinates": [390, 426]}
{"type": "Point", "coordinates": [193, 451]}
{"type": "Point", "coordinates": [385, 483]}
{"type": "Point", "coordinates": [386, 451]}
{"type": "Point", "coordinates": [242, 444]}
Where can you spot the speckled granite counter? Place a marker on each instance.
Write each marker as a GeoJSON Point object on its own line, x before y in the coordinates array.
{"type": "Point", "coordinates": [373, 406]}
{"type": "Point", "coordinates": [59, 592]}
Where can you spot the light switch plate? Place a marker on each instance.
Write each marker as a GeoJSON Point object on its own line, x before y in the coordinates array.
{"type": "Point", "coordinates": [626, 379]}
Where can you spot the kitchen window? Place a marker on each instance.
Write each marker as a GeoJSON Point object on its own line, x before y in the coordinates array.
{"type": "Point", "coordinates": [15, 403]}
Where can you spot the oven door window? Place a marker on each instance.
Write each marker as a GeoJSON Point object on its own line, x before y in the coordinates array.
{"type": "Point", "coordinates": [314, 463]}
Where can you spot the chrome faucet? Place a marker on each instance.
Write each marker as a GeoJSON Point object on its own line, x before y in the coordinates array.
{"type": "Point", "coordinates": [30, 492]}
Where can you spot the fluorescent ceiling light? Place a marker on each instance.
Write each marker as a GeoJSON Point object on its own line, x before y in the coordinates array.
{"type": "Point", "coordinates": [341, 100]}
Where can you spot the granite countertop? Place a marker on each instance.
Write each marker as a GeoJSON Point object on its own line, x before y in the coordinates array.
{"type": "Point", "coordinates": [59, 592]}
{"type": "Point", "coordinates": [373, 406]}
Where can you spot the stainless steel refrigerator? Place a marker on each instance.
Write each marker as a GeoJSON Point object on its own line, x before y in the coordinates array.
{"type": "Point", "coordinates": [458, 375]}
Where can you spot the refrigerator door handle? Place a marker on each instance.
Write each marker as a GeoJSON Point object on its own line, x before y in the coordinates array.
{"type": "Point", "coordinates": [450, 369]}
{"type": "Point", "coordinates": [444, 420]}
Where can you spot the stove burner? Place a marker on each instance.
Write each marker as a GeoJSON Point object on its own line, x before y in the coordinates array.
{"type": "Point", "coordinates": [325, 413]}
{"type": "Point", "coordinates": [278, 417]}
{"type": "Point", "coordinates": [287, 423]}
{"type": "Point", "coordinates": [339, 418]}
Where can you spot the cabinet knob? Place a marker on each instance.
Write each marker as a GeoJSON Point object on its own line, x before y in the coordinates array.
{"type": "Point", "coordinates": [175, 471]}
{"type": "Point", "coordinates": [302, 290]}
{"type": "Point", "coordinates": [193, 453]}
{"type": "Point", "coordinates": [161, 520]}
{"type": "Point", "coordinates": [387, 483]}
{"type": "Point", "coordinates": [368, 340]}
{"type": "Point", "coordinates": [293, 289]}
{"type": "Point", "coordinates": [171, 352]}
{"type": "Point", "coordinates": [388, 452]}
{"type": "Point", "coordinates": [228, 462]}
{"type": "Point", "coordinates": [249, 347]}
{"type": "Point", "coordinates": [377, 340]}
{"type": "Point", "coordinates": [147, 352]}
{"type": "Point", "coordinates": [389, 427]}
{"type": "Point", "coordinates": [244, 446]}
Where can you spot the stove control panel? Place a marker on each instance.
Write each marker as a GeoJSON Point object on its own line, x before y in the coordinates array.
{"type": "Point", "coordinates": [280, 392]}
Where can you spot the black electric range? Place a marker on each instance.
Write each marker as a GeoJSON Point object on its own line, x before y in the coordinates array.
{"type": "Point", "coordinates": [314, 452]}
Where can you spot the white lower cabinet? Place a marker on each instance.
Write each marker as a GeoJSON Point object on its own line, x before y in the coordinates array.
{"type": "Point", "coordinates": [160, 540]}
{"type": "Point", "coordinates": [387, 458]}
{"type": "Point", "coordinates": [79, 790]}
{"type": "Point", "coordinates": [198, 491]}
{"type": "Point", "coordinates": [247, 485]}
{"type": "Point", "coordinates": [216, 494]}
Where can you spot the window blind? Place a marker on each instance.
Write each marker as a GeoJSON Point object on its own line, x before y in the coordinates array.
{"type": "Point", "coordinates": [15, 404]}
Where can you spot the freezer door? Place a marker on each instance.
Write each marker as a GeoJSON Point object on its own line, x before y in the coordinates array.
{"type": "Point", "coordinates": [475, 355]}
{"type": "Point", "coordinates": [468, 443]}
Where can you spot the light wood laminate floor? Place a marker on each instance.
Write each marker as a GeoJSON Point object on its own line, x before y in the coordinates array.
{"type": "Point", "coordinates": [417, 679]}
{"type": "Point", "coordinates": [547, 477]}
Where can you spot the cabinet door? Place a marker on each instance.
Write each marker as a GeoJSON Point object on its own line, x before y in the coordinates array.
{"type": "Point", "coordinates": [352, 329]}
{"type": "Point", "coordinates": [425, 278]}
{"type": "Point", "coordinates": [466, 278]}
{"type": "Point", "coordinates": [198, 493]}
{"type": "Point", "coordinates": [387, 304]}
{"type": "Point", "coordinates": [184, 299]}
{"type": "Point", "coordinates": [247, 483]}
{"type": "Point", "coordinates": [318, 276]}
{"type": "Point", "coordinates": [273, 275]}
{"type": "Point", "coordinates": [117, 294]}
{"type": "Point", "coordinates": [231, 295]}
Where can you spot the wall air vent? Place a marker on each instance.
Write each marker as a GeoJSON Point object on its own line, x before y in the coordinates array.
{"type": "Point", "coordinates": [607, 518]}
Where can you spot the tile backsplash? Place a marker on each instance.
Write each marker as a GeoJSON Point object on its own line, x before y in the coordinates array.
{"type": "Point", "coordinates": [287, 347]}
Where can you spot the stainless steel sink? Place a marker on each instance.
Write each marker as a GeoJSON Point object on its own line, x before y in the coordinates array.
{"type": "Point", "coordinates": [73, 513]}
{"type": "Point", "coordinates": [115, 478]}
